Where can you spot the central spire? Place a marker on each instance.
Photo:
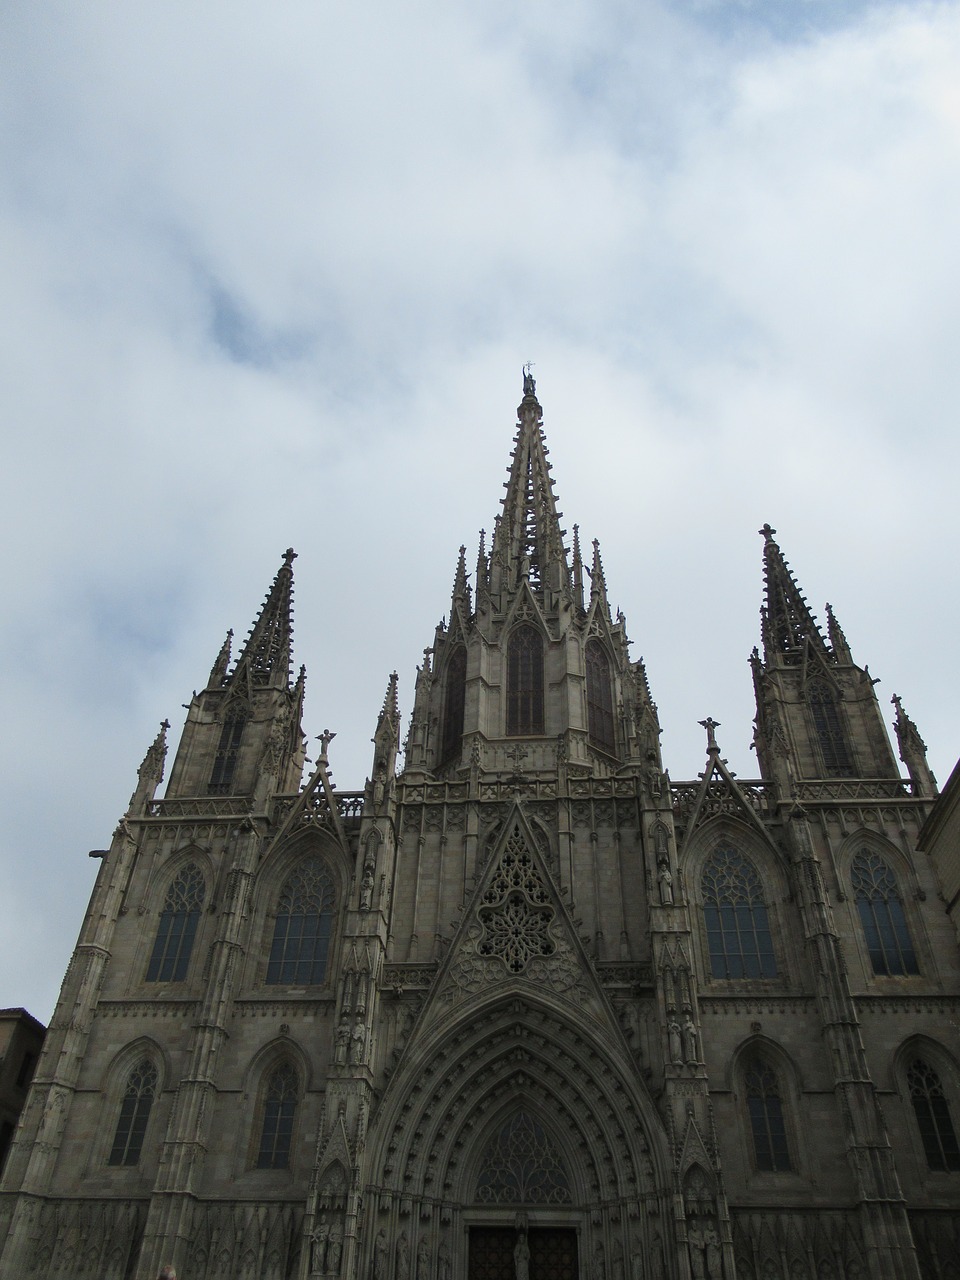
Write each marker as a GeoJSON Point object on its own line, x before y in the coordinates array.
{"type": "Point", "coordinates": [528, 541]}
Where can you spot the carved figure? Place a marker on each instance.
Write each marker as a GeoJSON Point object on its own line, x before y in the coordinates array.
{"type": "Point", "coordinates": [636, 1261]}
{"type": "Point", "coordinates": [521, 1257]}
{"type": "Point", "coordinates": [380, 1256]}
{"type": "Point", "coordinates": [599, 1266]}
{"type": "Point", "coordinates": [358, 1042]}
{"type": "Point", "coordinates": [403, 1258]}
{"type": "Point", "coordinates": [334, 1249]}
{"type": "Point", "coordinates": [666, 885]}
{"type": "Point", "coordinates": [423, 1259]}
{"type": "Point", "coordinates": [617, 1260]}
{"type": "Point", "coordinates": [318, 1246]}
{"type": "Point", "coordinates": [714, 1258]}
{"type": "Point", "coordinates": [443, 1262]}
{"type": "Point", "coordinates": [366, 890]}
{"type": "Point", "coordinates": [676, 1046]}
{"type": "Point", "coordinates": [342, 1042]}
{"type": "Point", "coordinates": [695, 1246]}
{"type": "Point", "coordinates": [690, 1043]}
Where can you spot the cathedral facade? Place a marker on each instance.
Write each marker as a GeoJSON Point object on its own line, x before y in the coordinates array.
{"type": "Point", "coordinates": [525, 1008]}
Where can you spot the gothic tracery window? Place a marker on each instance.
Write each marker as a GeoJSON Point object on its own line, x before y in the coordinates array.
{"type": "Point", "coordinates": [827, 723]}
{"type": "Point", "coordinates": [521, 1166]}
{"type": "Point", "coordinates": [453, 705]}
{"type": "Point", "coordinates": [600, 725]}
{"type": "Point", "coordinates": [279, 1109]}
{"type": "Point", "coordinates": [525, 682]}
{"type": "Point", "coordinates": [515, 911]}
{"type": "Point", "coordinates": [882, 915]}
{"type": "Point", "coordinates": [178, 926]}
{"type": "Point", "coordinates": [134, 1113]}
{"type": "Point", "coordinates": [738, 932]}
{"type": "Point", "coordinates": [228, 750]}
{"type": "Point", "coordinates": [301, 932]}
{"type": "Point", "coordinates": [932, 1111]}
{"type": "Point", "coordinates": [765, 1109]}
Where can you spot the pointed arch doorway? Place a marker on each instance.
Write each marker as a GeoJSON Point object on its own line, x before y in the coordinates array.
{"type": "Point", "coordinates": [522, 1177]}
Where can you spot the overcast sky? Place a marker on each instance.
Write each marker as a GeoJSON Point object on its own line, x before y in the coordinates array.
{"type": "Point", "coordinates": [268, 276]}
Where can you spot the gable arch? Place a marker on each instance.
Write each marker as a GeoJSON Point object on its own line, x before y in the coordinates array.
{"type": "Point", "coordinates": [117, 1078]}
{"type": "Point", "coordinates": [880, 886]}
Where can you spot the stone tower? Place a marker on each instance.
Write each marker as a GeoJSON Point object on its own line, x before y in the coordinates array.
{"type": "Point", "coordinates": [524, 1008]}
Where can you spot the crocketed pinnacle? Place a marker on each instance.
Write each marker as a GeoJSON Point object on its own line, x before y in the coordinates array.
{"type": "Point", "coordinates": [461, 588]}
{"type": "Point", "coordinates": [787, 622]}
{"type": "Point", "coordinates": [267, 652]}
{"type": "Point", "coordinates": [151, 767]}
{"type": "Point", "coordinates": [218, 672]}
{"type": "Point", "coordinates": [528, 541]}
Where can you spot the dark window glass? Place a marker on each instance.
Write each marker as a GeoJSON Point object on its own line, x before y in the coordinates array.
{"type": "Point", "coordinates": [766, 1118]}
{"type": "Point", "coordinates": [882, 916]}
{"type": "Point", "coordinates": [134, 1113]}
{"type": "Point", "coordinates": [933, 1118]}
{"type": "Point", "coordinates": [738, 933]}
{"type": "Point", "coordinates": [525, 682]}
{"type": "Point", "coordinates": [178, 926]}
{"type": "Point", "coordinates": [599, 698]}
{"type": "Point", "coordinates": [454, 694]}
{"type": "Point", "coordinates": [301, 935]}
{"type": "Point", "coordinates": [837, 761]}
{"type": "Point", "coordinates": [6, 1138]}
{"type": "Point", "coordinates": [521, 1166]}
{"type": "Point", "coordinates": [25, 1074]}
{"type": "Point", "coordinates": [279, 1108]}
{"type": "Point", "coordinates": [225, 763]}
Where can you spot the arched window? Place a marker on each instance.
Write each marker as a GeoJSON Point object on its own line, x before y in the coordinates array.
{"type": "Point", "coordinates": [738, 934]}
{"type": "Point", "coordinates": [933, 1117]}
{"type": "Point", "coordinates": [525, 682]}
{"type": "Point", "coordinates": [599, 698]}
{"type": "Point", "coordinates": [134, 1113]}
{"type": "Point", "coordinates": [301, 934]}
{"type": "Point", "coordinates": [765, 1109]}
{"type": "Point", "coordinates": [279, 1108]}
{"type": "Point", "coordinates": [837, 760]}
{"type": "Point", "coordinates": [178, 926]}
{"type": "Point", "coordinates": [228, 750]}
{"type": "Point", "coordinates": [454, 694]}
{"type": "Point", "coordinates": [522, 1166]}
{"type": "Point", "coordinates": [882, 916]}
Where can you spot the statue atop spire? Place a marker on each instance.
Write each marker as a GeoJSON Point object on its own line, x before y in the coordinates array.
{"type": "Point", "coordinates": [529, 385]}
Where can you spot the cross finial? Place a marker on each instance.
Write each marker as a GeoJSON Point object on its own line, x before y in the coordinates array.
{"type": "Point", "coordinates": [289, 556]}
{"type": "Point", "coordinates": [711, 725]}
{"type": "Point", "coordinates": [767, 532]}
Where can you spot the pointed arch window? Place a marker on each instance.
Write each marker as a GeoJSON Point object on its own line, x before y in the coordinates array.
{"type": "Point", "coordinates": [134, 1113]}
{"type": "Point", "coordinates": [524, 682]}
{"type": "Point", "coordinates": [301, 932]}
{"type": "Point", "coordinates": [932, 1110]}
{"type": "Point", "coordinates": [765, 1109]}
{"type": "Point", "coordinates": [453, 705]}
{"type": "Point", "coordinates": [882, 916]}
{"type": "Point", "coordinates": [281, 1095]}
{"type": "Point", "coordinates": [828, 725]}
{"type": "Point", "coordinates": [600, 724]}
{"type": "Point", "coordinates": [521, 1166]}
{"type": "Point", "coordinates": [228, 750]}
{"type": "Point", "coordinates": [179, 918]}
{"type": "Point", "coordinates": [735, 914]}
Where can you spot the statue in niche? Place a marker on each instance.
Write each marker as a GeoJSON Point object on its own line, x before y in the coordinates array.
{"type": "Point", "coordinates": [380, 1256]}
{"type": "Point", "coordinates": [366, 888]}
{"type": "Point", "coordinates": [695, 1242]}
{"type": "Point", "coordinates": [403, 1258]}
{"type": "Point", "coordinates": [342, 1039]}
{"type": "Point", "coordinates": [423, 1259]}
{"type": "Point", "coordinates": [334, 1249]}
{"type": "Point", "coordinates": [358, 1042]}
{"type": "Point", "coordinates": [714, 1258]}
{"type": "Point", "coordinates": [690, 1040]}
{"type": "Point", "coordinates": [318, 1246]}
{"type": "Point", "coordinates": [599, 1266]}
{"type": "Point", "coordinates": [521, 1257]}
{"type": "Point", "coordinates": [665, 880]}
{"type": "Point", "coordinates": [676, 1045]}
{"type": "Point", "coordinates": [443, 1262]}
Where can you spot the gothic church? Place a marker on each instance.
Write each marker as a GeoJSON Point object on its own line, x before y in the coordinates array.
{"type": "Point", "coordinates": [525, 1008]}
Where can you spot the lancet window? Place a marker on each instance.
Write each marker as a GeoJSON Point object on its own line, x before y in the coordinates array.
{"type": "Point", "coordinates": [882, 916]}
{"type": "Point", "coordinates": [228, 750]}
{"type": "Point", "coordinates": [600, 724]}
{"type": "Point", "coordinates": [178, 926]}
{"type": "Point", "coordinates": [521, 1166]}
{"type": "Point", "coordinates": [453, 704]}
{"type": "Point", "coordinates": [932, 1110]}
{"type": "Point", "coordinates": [822, 701]}
{"type": "Point", "coordinates": [765, 1109]}
{"type": "Point", "coordinates": [134, 1113]}
{"type": "Point", "coordinates": [525, 682]}
{"type": "Point", "coordinates": [301, 932]}
{"type": "Point", "coordinates": [279, 1109]}
{"type": "Point", "coordinates": [735, 914]}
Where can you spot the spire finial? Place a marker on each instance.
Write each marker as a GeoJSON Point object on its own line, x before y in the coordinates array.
{"type": "Point", "coordinates": [325, 739]}
{"type": "Point", "coordinates": [268, 648]}
{"type": "Point", "coordinates": [711, 727]}
{"type": "Point", "coordinates": [289, 556]}
{"type": "Point", "coordinates": [767, 532]}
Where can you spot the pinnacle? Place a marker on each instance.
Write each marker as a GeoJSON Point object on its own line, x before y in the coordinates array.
{"type": "Point", "coordinates": [268, 648]}
{"type": "Point", "coordinates": [787, 622]}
